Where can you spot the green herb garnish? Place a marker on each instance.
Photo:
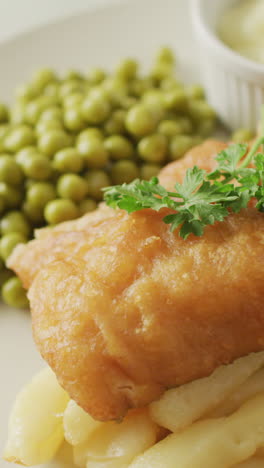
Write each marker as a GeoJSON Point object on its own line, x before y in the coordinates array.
{"type": "Point", "coordinates": [203, 198]}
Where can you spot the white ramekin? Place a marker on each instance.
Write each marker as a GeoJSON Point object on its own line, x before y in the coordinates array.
{"type": "Point", "coordinates": [234, 84]}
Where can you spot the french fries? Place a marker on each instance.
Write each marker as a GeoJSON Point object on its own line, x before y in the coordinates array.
{"type": "Point", "coordinates": [78, 425]}
{"type": "Point", "coordinates": [181, 406]}
{"type": "Point", "coordinates": [35, 427]}
{"type": "Point", "coordinates": [254, 462]}
{"type": "Point", "coordinates": [212, 443]}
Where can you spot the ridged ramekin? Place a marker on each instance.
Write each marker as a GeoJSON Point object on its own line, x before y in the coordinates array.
{"type": "Point", "coordinates": [234, 84]}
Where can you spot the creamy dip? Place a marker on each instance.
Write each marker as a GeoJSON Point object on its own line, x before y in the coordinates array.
{"type": "Point", "coordinates": [242, 29]}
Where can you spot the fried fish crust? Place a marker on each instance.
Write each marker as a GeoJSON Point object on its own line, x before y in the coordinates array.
{"type": "Point", "coordinates": [123, 309]}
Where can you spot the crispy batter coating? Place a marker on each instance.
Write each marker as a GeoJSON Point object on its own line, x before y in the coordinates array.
{"type": "Point", "coordinates": [123, 309]}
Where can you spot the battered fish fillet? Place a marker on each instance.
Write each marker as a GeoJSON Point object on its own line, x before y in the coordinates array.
{"type": "Point", "coordinates": [123, 309]}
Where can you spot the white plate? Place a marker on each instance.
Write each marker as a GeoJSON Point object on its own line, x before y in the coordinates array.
{"type": "Point", "coordinates": [101, 37]}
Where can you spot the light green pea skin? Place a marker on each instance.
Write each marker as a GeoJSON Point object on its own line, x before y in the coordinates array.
{"type": "Point", "coordinates": [116, 123]}
{"type": "Point", "coordinates": [241, 135]}
{"type": "Point", "coordinates": [51, 113]}
{"type": "Point", "coordinates": [24, 153]}
{"type": "Point", "coordinates": [43, 77]}
{"type": "Point", "coordinates": [200, 109]}
{"type": "Point", "coordinates": [97, 75]}
{"type": "Point", "coordinates": [52, 141]}
{"type": "Point", "coordinates": [179, 145]}
{"type": "Point", "coordinates": [153, 148]}
{"type": "Point", "coordinates": [15, 221]}
{"type": "Point", "coordinates": [46, 125]}
{"type": "Point", "coordinates": [93, 152]}
{"type": "Point", "coordinates": [4, 129]}
{"type": "Point", "coordinates": [40, 193]}
{"type": "Point", "coordinates": [175, 99]}
{"type": "Point", "coordinates": [140, 121]}
{"type": "Point", "coordinates": [124, 171]}
{"type": "Point", "coordinates": [68, 160]}
{"type": "Point", "coordinates": [87, 205]}
{"type": "Point", "coordinates": [35, 108]}
{"type": "Point", "coordinates": [169, 83]}
{"type": "Point", "coordinates": [73, 100]}
{"type": "Point", "coordinates": [26, 92]}
{"type": "Point", "coordinates": [127, 102]}
{"type": "Point", "coordinates": [52, 89]}
{"type": "Point", "coordinates": [9, 241]}
{"type": "Point", "coordinates": [73, 75]}
{"type": "Point", "coordinates": [127, 69]}
{"type": "Point", "coordinates": [17, 114]}
{"type": "Point", "coordinates": [119, 147]}
{"type": "Point", "coordinates": [10, 171]}
{"type": "Point", "coordinates": [34, 213]}
{"type": "Point", "coordinates": [73, 119]}
{"type": "Point", "coordinates": [195, 91]}
{"type": "Point", "coordinates": [206, 127]}
{"type": "Point", "coordinates": [95, 110]}
{"type": "Point", "coordinates": [165, 55]}
{"type": "Point", "coordinates": [91, 132]}
{"type": "Point", "coordinates": [14, 294]}
{"type": "Point", "coordinates": [186, 125]}
{"type": "Point", "coordinates": [18, 138]}
{"type": "Point", "coordinates": [69, 87]}
{"type": "Point", "coordinates": [160, 71]}
{"type": "Point", "coordinates": [115, 90]}
{"type": "Point", "coordinates": [147, 171]}
{"type": "Point", "coordinates": [4, 114]}
{"type": "Point", "coordinates": [72, 187]}
{"type": "Point", "coordinates": [96, 181]}
{"type": "Point", "coordinates": [59, 210]}
{"type": "Point", "coordinates": [10, 197]}
{"type": "Point", "coordinates": [139, 86]}
{"type": "Point", "coordinates": [169, 128]}
{"type": "Point", "coordinates": [36, 166]}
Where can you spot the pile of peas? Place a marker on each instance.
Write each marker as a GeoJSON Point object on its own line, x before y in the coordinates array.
{"type": "Point", "coordinates": [67, 138]}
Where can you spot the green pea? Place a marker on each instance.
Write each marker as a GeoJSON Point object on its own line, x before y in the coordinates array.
{"type": "Point", "coordinates": [68, 160]}
{"type": "Point", "coordinates": [51, 113]}
{"type": "Point", "coordinates": [147, 171]}
{"type": "Point", "coordinates": [153, 148]}
{"type": "Point", "coordinates": [5, 274]}
{"type": "Point", "coordinates": [175, 99]}
{"type": "Point", "coordinates": [73, 99]}
{"type": "Point", "coordinates": [35, 108]}
{"type": "Point", "coordinates": [119, 147]}
{"type": "Point", "coordinates": [10, 171]}
{"type": "Point", "coordinates": [52, 89]}
{"type": "Point", "coordinates": [3, 113]}
{"type": "Point", "coordinates": [124, 171]}
{"type": "Point", "coordinates": [93, 152]}
{"type": "Point", "coordinates": [186, 125]}
{"type": "Point", "coordinates": [73, 119]}
{"type": "Point", "coordinates": [87, 205]}
{"type": "Point", "coordinates": [96, 181]}
{"type": "Point", "coordinates": [140, 121]}
{"type": "Point", "coordinates": [57, 211]}
{"type": "Point", "coordinates": [27, 92]}
{"type": "Point", "coordinates": [72, 186]}
{"type": "Point", "coordinates": [14, 294]}
{"type": "Point", "coordinates": [166, 55]}
{"type": "Point", "coordinates": [18, 138]}
{"type": "Point", "coordinates": [195, 92]}
{"type": "Point", "coordinates": [116, 123]}
{"type": "Point", "coordinates": [15, 221]}
{"type": "Point", "coordinates": [40, 193]}
{"type": "Point", "coordinates": [200, 109]}
{"type": "Point", "coordinates": [10, 197]}
{"type": "Point", "coordinates": [52, 141]}
{"type": "Point", "coordinates": [37, 166]}
{"type": "Point", "coordinates": [126, 102]}
{"type": "Point", "coordinates": [95, 110]}
{"type": "Point", "coordinates": [161, 70]}
{"type": "Point", "coordinates": [9, 242]}
{"type": "Point", "coordinates": [127, 69]}
{"type": "Point", "coordinates": [69, 87]}
{"type": "Point", "coordinates": [241, 135]}
{"type": "Point", "coordinates": [4, 129]}
{"type": "Point", "coordinates": [170, 82]}
{"type": "Point", "coordinates": [73, 75]}
{"type": "Point", "coordinates": [89, 133]}
{"type": "Point", "coordinates": [114, 89]}
{"type": "Point", "coordinates": [169, 128]}
{"type": "Point", "coordinates": [206, 127]}
{"type": "Point", "coordinates": [17, 114]}
{"type": "Point", "coordinates": [180, 144]}
{"type": "Point", "coordinates": [42, 77]}
{"type": "Point", "coordinates": [97, 75]}
{"type": "Point", "coordinates": [34, 213]}
{"type": "Point", "coordinates": [44, 126]}
{"type": "Point", "coordinates": [24, 153]}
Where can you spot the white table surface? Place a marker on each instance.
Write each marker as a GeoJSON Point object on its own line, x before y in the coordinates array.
{"type": "Point", "coordinates": [17, 16]}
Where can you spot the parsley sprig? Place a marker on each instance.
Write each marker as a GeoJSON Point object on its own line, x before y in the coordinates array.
{"type": "Point", "coordinates": [202, 198]}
